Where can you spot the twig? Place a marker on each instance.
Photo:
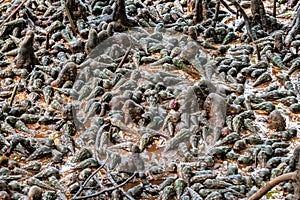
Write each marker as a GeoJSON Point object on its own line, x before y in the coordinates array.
{"type": "Point", "coordinates": [11, 99]}
{"type": "Point", "coordinates": [70, 18]}
{"type": "Point", "coordinates": [217, 9]}
{"type": "Point", "coordinates": [293, 31]}
{"type": "Point", "coordinates": [96, 146]}
{"type": "Point", "coordinates": [269, 185]}
{"type": "Point", "coordinates": [227, 7]}
{"type": "Point", "coordinates": [89, 178]}
{"type": "Point", "coordinates": [115, 184]}
{"type": "Point", "coordinates": [258, 52]}
{"type": "Point", "coordinates": [107, 189]}
{"type": "Point", "coordinates": [274, 8]}
{"type": "Point", "coordinates": [13, 13]}
{"type": "Point", "coordinates": [47, 40]}
{"type": "Point", "coordinates": [124, 57]}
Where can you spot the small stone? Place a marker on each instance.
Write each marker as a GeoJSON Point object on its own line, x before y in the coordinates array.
{"type": "Point", "coordinates": [245, 159]}
{"type": "Point", "coordinates": [276, 121]}
{"type": "Point", "coordinates": [4, 195]}
{"type": "Point", "coordinates": [232, 169]}
{"type": "Point", "coordinates": [239, 145]}
{"type": "Point", "coordinates": [288, 187]}
{"type": "Point", "coordinates": [214, 196]}
{"type": "Point", "coordinates": [35, 193]}
{"type": "Point", "coordinates": [264, 173]}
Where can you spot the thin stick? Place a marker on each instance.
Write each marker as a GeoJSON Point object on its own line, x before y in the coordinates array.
{"type": "Point", "coordinates": [269, 185]}
{"type": "Point", "coordinates": [274, 8]}
{"type": "Point", "coordinates": [107, 189]}
{"type": "Point", "coordinates": [13, 13]}
{"type": "Point", "coordinates": [96, 146]}
{"type": "Point", "coordinates": [70, 18]}
{"type": "Point", "coordinates": [11, 99]}
{"type": "Point", "coordinates": [246, 19]}
{"type": "Point", "coordinates": [115, 184]}
{"type": "Point", "coordinates": [228, 7]}
{"type": "Point", "coordinates": [124, 57]}
{"type": "Point", "coordinates": [217, 12]}
{"type": "Point", "coordinates": [47, 40]}
{"type": "Point", "coordinates": [258, 53]}
{"type": "Point", "coordinates": [89, 178]}
{"type": "Point", "coordinates": [198, 11]}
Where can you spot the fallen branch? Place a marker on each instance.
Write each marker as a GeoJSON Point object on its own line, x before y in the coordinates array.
{"type": "Point", "coordinates": [228, 7]}
{"type": "Point", "coordinates": [96, 152]}
{"type": "Point", "coordinates": [47, 40]}
{"type": "Point", "coordinates": [274, 8]}
{"type": "Point", "coordinates": [107, 189]}
{"type": "Point", "coordinates": [269, 185]}
{"type": "Point", "coordinates": [115, 184]}
{"type": "Point", "coordinates": [124, 57]}
{"type": "Point", "coordinates": [70, 18]}
{"type": "Point", "coordinates": [88, 179]}
{"type": "Point", "coordinates": [11, 99]}
{"type": "Point", "coordinates": [13, 13]}
{"type": "Point", "coordinates": [198, 12]}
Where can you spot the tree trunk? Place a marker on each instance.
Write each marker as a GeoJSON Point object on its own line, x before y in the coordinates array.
{"type": "Point", "coordinates": [198, 12]}
{"type": "Point", "coordinates": [119, 14]}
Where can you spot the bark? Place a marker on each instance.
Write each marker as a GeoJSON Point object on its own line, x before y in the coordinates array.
{"type": "Point", "coordinates": [119, 14]}
{"type": "Point", "coordinates": [259, 13]}
{"type": "Point", "coordinates": [294, 176]}
{"type": "Point", "coordinates": [297, 174]}
{"type": "Point", "coordinates": [198, 11]}
{"type": "Point", "coordinates": [261, 192]}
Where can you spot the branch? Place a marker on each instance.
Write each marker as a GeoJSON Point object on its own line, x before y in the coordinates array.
{"type": "Point", "coordinates": [115, 184]}
{"type": "Point", "coordinates": [70, 18]}
{"type": "Point", "coordinates": [107, 189]}
{"type": "Point", "coordinates": [13, 95]}
{"type": "Point", "coordinates": [13, 13]}
{"type": "Point", "coordinates": [269, 185]}
{"type": "Point", "coordinates": [198, 11]}
{"type": "Point", "coordinates": [124, 57]}
{"type": "Point", "coordinates": [89, 178]}
{"type": "Point", "coordinates": [96, 146]}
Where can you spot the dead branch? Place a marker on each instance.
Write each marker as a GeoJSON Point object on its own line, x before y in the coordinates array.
{"type": "Point", "coordinates": [70, 18]}
{"type": "Point", "coordinates": [274, 8]}
{"type": "Point", "coordinates": [294, 30]}
{"type": "Point", "coordinates": [96, 152]}
{"type": "Point", "coordinates": [124, 57]}
{"type": "Point", "coordinates": [13, 13]}
{"type": "Point", "coordinates": [198, 12]}
{"type": "Point", "coordinates": [111, 179]}
{"type": "Point", "coordinates": [119, 14]}
{"type": "Point", "coordinates": [13, 95]}
{"type": "Point", "coordinates": [107, 189]}
{"type": "Point", "coordinates": [228, 7]}
{"type": "Point", "coordinates": [89, 178]}
{"type": "Point", "coordinates": [269, 185]}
